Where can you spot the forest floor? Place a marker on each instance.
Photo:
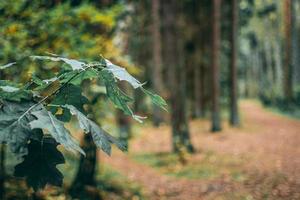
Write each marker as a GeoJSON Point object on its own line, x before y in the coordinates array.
{"type": "Point", "coordinates": [259, 160]}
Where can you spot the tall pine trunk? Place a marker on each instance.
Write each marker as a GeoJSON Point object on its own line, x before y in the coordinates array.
{"type": "Point", "coordinates": [216, 119]}
{"type": "Point", "coordinates": [157, 59]}
{"type": "Point", "coordinates": [287, 71]}
{"type": "Point", "coordinates": [234, 115]}
{"type": "Point", "coordinates": [176, 79]}
{"type": "Point", "coordinates": [198, 87]}
{"type": "Point", "coordinates": [295, 43]}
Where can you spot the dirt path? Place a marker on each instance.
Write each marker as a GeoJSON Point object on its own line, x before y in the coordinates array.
{"type": "Point", "coordinates": [271, 141]}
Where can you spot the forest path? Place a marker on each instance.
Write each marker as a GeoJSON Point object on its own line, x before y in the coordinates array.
{"type": "Point", "coordinates": [269, 141]}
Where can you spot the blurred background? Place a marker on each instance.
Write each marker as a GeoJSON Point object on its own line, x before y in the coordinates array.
{"type": "Point", "coordinates": [229, 70]}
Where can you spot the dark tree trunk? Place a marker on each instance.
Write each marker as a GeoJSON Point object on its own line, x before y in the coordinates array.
{"type": "Point", "coordinates": [157, 59]}
{"type": "Point", "coordinates": [85, 178]}
{"type": "Point", "coordinates": [199, 96]}
{"type": "Point", "coordinates": [234, 115]}
{"type": "Point", "coordinates": [2, 171]}
{"type": "Point", "coordinates": [295, 44]}
{"type": "Point", "coordinates": [176, 79]}
{"type": "Point", "coordinates": [287, 71]}
{"type": "Point", "coordinates": [216, 120]}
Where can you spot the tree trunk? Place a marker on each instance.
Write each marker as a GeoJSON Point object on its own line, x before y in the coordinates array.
{"type": "Point", "coordinates": [295, 43]}
{"type": "Point", "coordinates": [288, 83]}
{"type": "Point", "coordinates": [234, 115]}
{"type": "Point", "coordinates": [85, 178]}
{"type": "Point", "coordinates": [268, 71]}
{"type": "Point", "coordinates": [176, 79]}
{"type": "Point", "coordinates": [157, 59]}
{"type": "Point", "coordinates": [278, 55]}
{"type": "Point", "coordinates": [216, 120]}
{"type": "Point", "coordinates": [278, 67]}
{"type": "Point", "coordinates": [2, 171]}
{"type": "Point", "coordinates": [199, 112]}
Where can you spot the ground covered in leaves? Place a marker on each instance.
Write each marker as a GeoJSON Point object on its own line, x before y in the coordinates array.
{"type": "Point", "coordinates": [259, 160]}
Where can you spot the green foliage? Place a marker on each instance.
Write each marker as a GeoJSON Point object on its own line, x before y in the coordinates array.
{"type": "Point", "coordinates": [39, 165]}
{"type": "Point", "coordinates": [74, 64]}
{"type": "Point", "coordinates": [156, 99]}
{"type": "Point", "coordinates": [27, 122]}
{"type": "Point", "coordinates": [7, 65]}
{"type": "Point", "coordinates": [47, 121]}
{"type": "Point", "coordinates": [11, 92]}
{"type": "Point", "coordinates": [52, 83]}
{"type": "Point", "coordinates": [122, 75]}
{"type": "Point", "coordinates": [35, 27]}
{"type": "Point", "coordinates": [13, 130]}
{"type": "Point", "coordinates": [69, 95]}
{"type": "Point", "coordinates": [87, 74]}
{"type": "Point", "coordinates": [102, 139]}
{"type": "Point", "coordinates": [114, 93]}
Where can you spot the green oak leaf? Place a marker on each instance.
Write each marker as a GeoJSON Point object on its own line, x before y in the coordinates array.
{"type": "Point", "coordinates": [16, 95]}
{"type": "Point", "coordinates": [46, 120]}
{"type": "Point", "coordinates": [156, 99]}
{"type": "Point", "coordinates": [119, 98]}
{"type": "Point", "coordinates": [121, 74]}
{"type": "Point", "coordinates": [86, 74]}
{"type": "Point", "coordinates": [71, 95]}
{"type": "Point", "coordinates": [101, 138]}
{"type": "Point", "coordinates": [7, 65]}
{"type": "Point", "coordinates": [11, 92]}
{"type": "Point", "coordinates": [14, 131]}
{"type": "Point", "coordinates": [75, 64]}
{"type": "Point", "coordinates": [39, 166]}
{"type": "Point", "coordinates": [37, 80]}
{"type": "Point", "coordinates": [8, 88]}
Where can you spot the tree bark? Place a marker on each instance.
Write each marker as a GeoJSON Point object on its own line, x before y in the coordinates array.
{"type": "Point", "coordinates": [278, 67]}
{"type": "Point", "coordinates": [176, 79]}
{"type": "Point", "coordinates": [157, 59]}
{"type": "Point", "coordinates": [85, 176]}
{"type": "Point", "coordinates": [234, 115]}
{"type": "Point", "coordinates": [288, 83]}
{"type": "Point", "coordinates": [295, 43]}
{"type": "Point", "coordinates": [216, 120]}
{"type": "Point", "coordinates": [198, 76]}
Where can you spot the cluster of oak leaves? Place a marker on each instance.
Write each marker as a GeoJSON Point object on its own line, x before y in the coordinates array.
{"type": "Point", "coordinates": [32, 128]}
